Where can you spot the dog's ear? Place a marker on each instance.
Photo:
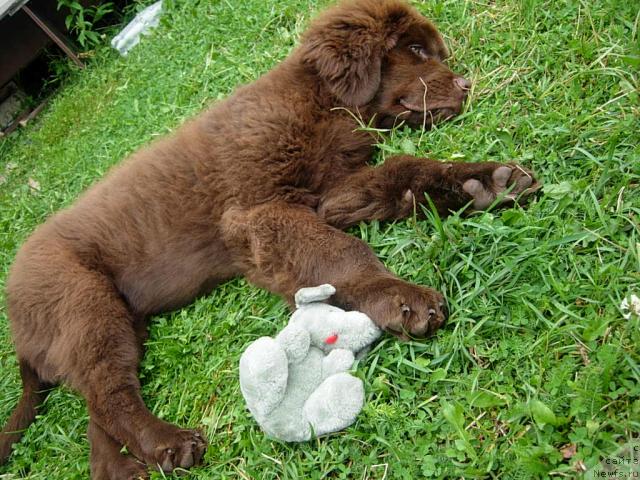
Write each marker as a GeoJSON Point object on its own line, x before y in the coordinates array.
{"type": "Point", "coordinates": [347, 43]}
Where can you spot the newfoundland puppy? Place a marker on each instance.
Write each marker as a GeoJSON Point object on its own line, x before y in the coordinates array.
{"type": "Point", "coordinates": [261, 185]}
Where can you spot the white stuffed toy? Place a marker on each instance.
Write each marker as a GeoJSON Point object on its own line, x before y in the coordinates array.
{"type": "Point", "coordinates": [297, 384]}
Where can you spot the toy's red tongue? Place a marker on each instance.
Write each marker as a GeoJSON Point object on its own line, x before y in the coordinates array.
{"type": "Point", "coordinates": [332, 339]}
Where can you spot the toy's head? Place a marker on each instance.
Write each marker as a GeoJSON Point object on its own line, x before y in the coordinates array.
{"type": "Point", "coordinates": [331, 327]}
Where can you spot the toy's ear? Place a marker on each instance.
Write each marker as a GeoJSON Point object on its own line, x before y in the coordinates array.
{"type": "Point", "coordinates": [308, 295]}
{"type": "Point", "coordinates": [347, 43]}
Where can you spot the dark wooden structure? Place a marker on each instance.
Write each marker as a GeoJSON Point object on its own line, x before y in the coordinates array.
{"type": "Point", "coordinates": [26, 27]}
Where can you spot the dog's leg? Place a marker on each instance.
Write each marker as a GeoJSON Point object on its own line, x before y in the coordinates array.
{"type": "Point", "coordinates": [283, 247]}
{"type": "Point", "coordinates": [107, 345]}
{"type": "Point", "coordinates": [73, 321]}
{"type": "Point", "coordinates": [394, 189]}
{"type": "Point", "coordinates": [34, 392]}
{"type": "Point", "coordinates": [107, 460]}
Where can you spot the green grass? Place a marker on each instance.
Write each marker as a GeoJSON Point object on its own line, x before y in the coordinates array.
{"type": "Point", "coordinates": [536, 354]}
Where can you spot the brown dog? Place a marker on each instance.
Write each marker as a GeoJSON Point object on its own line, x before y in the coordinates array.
{"type": "Point", "coordinates": [260, 185]}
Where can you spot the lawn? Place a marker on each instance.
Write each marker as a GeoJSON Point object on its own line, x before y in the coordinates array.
{"type": "Point", "coordinates": [536, 375]}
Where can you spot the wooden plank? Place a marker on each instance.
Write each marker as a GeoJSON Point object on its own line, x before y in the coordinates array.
{"type": "Point", "coordinates": [25, 117]}
{"type": "Point", "coordinates": [53, 35]}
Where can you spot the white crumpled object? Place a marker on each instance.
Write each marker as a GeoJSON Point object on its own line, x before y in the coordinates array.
{"type": "Point", "coordinates": [140, 25]}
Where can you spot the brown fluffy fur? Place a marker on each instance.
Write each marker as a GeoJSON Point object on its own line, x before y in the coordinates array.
{"type": "Point", "coordinates": [260, 185]}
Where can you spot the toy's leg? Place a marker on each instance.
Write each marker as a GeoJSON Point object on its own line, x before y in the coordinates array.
{"type": "Point", "coordinates": [337, 361]}
{"type": "Point", "coordinates": [283, 247]}
{"type": "Point", "coordinates": [335, 404]}
{"type": "Point", "coordinates": [286, 421]}
{"type": "Point", "coordinates": [263, 376]}
{"type": "Point", "coordinates": [394, 189]}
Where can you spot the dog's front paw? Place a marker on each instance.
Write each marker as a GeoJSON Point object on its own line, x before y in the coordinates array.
{"type": "Point", "coordinates": [422, 311]}
{"type": "Point", "coordinates": [403, 309]}
{"type": "Point", "coordinates": [509, 184]}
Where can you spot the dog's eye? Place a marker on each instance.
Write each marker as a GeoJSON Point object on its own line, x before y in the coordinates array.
{"type": "Point", "coordinates": [419, 50]}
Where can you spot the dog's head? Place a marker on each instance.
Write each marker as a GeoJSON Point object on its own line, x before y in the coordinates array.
{"type": "Point", "coordinates": [384, 56]}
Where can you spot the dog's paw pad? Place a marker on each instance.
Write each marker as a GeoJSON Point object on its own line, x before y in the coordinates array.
{"type": "Point", "coordinates": [508, 184]}
{"type": "Point", "coordinates": [501, 176]}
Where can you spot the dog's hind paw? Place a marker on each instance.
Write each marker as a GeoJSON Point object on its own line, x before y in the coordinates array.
{"type": "Point", "coordinates": [124, 467]}
{"type": "Point", "coordinates": [172, 448]}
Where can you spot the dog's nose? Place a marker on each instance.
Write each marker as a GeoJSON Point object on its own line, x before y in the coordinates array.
{"type": "Point", "coordinates": [462, 83]}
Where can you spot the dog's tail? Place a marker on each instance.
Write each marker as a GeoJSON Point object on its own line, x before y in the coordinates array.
{"type": "Point", "coordinates": [34, 391]}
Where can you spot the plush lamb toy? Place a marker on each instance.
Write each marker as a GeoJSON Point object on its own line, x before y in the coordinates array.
{"type": "Point", "coordinates": [297, 384]}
